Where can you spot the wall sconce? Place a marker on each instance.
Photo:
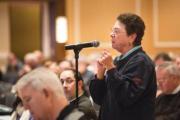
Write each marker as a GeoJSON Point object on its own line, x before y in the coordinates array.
{"type": "Point", "coordinates": [61, 29]}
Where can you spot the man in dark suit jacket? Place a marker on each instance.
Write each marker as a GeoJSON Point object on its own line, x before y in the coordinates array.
{"type": "Point", "coordinates": [67, 78]}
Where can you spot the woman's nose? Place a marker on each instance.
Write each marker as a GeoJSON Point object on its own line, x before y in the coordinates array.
{"type": "Point", "coordinates": [112, 35]}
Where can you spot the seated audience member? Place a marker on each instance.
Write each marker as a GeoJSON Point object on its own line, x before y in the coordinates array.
{"type": "Point", "coordinates": [65, 64]}
{"type": "Point", "coordinates": [161, 58]}
{"type": "Point", "coordinates": [92, 62]}
{"type": "Point", "coordinates": [54, 67]}
{"type": "Point", "coordinates": [5, 89]}
{"type": "Point", "coordinates": [68, 80]}
{"type": "Point", "coordinates": [40, 57]}
{"type": "Point", "coordinates": [87, 75]}
{"type": "Point", "coordinates": [42, 94]}
{"type": "Point", "coordinates": [168, 103]}
{"type": "Point", "coordinates": [25, 69]}
{"type": "Point", "coordinates": [31, 60]}
{"type": "Point", "coordinates": [14, 65]}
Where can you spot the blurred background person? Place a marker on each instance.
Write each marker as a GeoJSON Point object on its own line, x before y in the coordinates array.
{"type": "Point", "coordinates": [87, 75]}
{"type": "Point", "coordinates": [5, 93]}
{"type": "Point", "coordinates": [31, 60]}
{"type": "Point", "coordinates": [67, 77]}
{"type": "Point", "coordinates": [13, 67]}
{"type": "Point", "coordinates": [161, 58]}
{"type": "Point", "coordinates": [40, 57]}
{"type": "Point", "coordinates": [25, 69]}
{"type": "Point", "coordinates": [55, 68]}
{"type": "Point", "coordinates": [168, 102]}
{"type": "Point", "coordinates": [65, 64]}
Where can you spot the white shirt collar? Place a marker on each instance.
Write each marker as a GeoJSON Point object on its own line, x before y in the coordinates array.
{"type": "Point", "coordinates": [176, 90]}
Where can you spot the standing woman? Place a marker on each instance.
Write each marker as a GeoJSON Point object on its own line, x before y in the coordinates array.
{"type": "Point", "coordinates": [126, 87]}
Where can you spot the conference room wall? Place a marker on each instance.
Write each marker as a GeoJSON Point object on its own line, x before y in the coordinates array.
{"type": "Point", "coordinates": [92, 20]}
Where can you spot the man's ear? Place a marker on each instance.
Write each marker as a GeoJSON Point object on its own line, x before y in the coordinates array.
{"type": "Point", "coordinates": [46, 92]}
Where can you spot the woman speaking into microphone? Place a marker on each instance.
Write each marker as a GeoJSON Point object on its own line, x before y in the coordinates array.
{"type": "Point", "coordinates": [125, 88]}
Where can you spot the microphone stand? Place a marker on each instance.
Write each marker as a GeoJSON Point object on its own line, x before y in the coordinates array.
{"type": "Point", "coordinates": [77, 48]}
{"type": "Point", "coordinates": [76, 52]}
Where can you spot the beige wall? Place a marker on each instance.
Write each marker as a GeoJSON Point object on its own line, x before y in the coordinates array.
{"type": "Point", "coordinates": [20, 29]}
{"type": "Point", "coordinates": [4, 33]}
{"type": "Point", "coordinates": [93, 19]}
{"type": "Point", "coordinates": [25, 27]}
{"type": "Point", "coordinates": [161, 17]}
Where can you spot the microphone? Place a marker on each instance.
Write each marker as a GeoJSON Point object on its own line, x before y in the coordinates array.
{"type": "Point", "coordinates": [82, 45]}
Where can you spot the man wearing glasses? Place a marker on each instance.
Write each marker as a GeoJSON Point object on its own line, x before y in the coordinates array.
{"type": "Point", "coordinates": [67, 77]}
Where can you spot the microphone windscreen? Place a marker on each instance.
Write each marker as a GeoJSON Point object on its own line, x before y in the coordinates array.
{"type": "Point", "coordinates": [96, 43]}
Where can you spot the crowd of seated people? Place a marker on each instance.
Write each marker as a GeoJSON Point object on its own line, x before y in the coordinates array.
{"type": "Point", "coordinates": [16, 69]}
{"type": "Point", "coordinates": [30, 62]}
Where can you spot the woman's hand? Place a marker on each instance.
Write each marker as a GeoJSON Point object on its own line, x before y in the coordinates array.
{"type": "Point", "coordinates": [106, 60]}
